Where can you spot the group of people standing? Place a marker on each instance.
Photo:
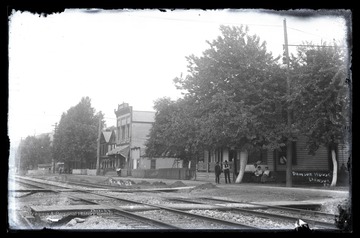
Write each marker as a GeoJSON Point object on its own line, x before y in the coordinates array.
{"type": "Point", "coordinates": [259, 174]}
{"type": "Point", "coordinates": [218, 171]}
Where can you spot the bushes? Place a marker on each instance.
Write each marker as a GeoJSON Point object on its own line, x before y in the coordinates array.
{"type": "Point", "coordinates": [343, 221]}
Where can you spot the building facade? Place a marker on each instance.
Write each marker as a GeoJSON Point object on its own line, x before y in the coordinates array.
{"type": "Point", "coordinates": [132, 129]}
{"type": "Point", "coordinates": [303, 164]}
{"type": "Point", "coordinates": [159, 163]}
{"type": "Point", "coordinates": [107, 143]}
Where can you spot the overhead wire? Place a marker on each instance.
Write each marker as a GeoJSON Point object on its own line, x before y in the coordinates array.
{"type": "Point", "coordinates": [226, 22]}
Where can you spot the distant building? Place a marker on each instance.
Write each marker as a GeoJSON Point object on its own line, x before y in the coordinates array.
{"type": "Point", "coordinates": [159, 163]}
{"type": "Point", "coordinates": [47, 166]}
{"type": "Point", "coordinates": [132, 129]}
{"type": "Point", "coordinates": [107, 143]}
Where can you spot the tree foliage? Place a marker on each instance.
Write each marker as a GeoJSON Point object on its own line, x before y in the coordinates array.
{"type": "Point", "coordinates": [75, 138]}
{"type": "Point", "coordinates": [236, 94]}
{"type": "Point", "coordinates": [321, 95]}
{"type": "Point", "coordinates": [34, 151]}
{"type": "Point", "coordinates": [228, 98]}
{"type": "Point", "coordinates": [232, 85]}
{"type": "Point", "coordinates": [174, 131]}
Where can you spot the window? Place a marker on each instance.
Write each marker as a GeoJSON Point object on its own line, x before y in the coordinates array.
{"type": "Point", "coordinates": [102, 150]}
{"type": "Point", "coordinates": [128, 131]}
{"type": "Point", "coordinates": [123, 132]}
{"type": "Point", "coordinates": [118, 134]}
{"type": "Point", "coordinates": [153, 164]}
{"type": "Point", "coordinates": [258, 155]}
{"type": "Point", "coordinates": [280, 154]}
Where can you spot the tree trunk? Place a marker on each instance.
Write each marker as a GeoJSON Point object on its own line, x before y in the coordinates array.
{"type": "Point", "coordinates": [53, 165]}
{"type": "Point", "coordinates": [335, 168]}
{"type": "Point", "coordinates": [196, 167]}
{"type": "Point", "coordinates": [289, 164]}
{"type": "Point", "coordinates": [243, 163]}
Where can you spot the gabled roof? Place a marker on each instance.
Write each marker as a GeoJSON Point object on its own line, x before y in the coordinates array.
{"type": "Point", "coordinates": [107, 135]}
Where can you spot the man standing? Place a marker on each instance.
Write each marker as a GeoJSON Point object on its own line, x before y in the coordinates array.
{"type": "Point", "coordinates": [217, 172]}
{"type": "Point", "coordinates": [227, 172]}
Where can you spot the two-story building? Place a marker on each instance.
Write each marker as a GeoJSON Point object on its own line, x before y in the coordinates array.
{"type": "Point", "coordinates": [132, 129]}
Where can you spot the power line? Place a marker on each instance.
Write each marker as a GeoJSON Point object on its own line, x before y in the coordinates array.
{"type": "Point", "coordinates": [53, 115]}
{"type": "Point", "coordinates": [305, 32]}
{"type": "Point", "coordinates": [208, 21]}
{"type": "Point", "coordinates": [226, 22]}
{"type": "Point", "coordinates": [318, 46]}
{"type": "Point", "coordinates": [230, 23]}
{"type": "Point", "coordinates": [110, 118]}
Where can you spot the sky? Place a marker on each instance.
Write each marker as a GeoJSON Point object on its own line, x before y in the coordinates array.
{"type": "Point", "coordinates": [127, 56]}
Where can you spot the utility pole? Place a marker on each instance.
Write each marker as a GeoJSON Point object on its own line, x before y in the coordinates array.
{"type": "Point", "coordinates": [288, 91]}
{"type": "Point", "coordinates": [98, 149]}
{"type": "Point", "coordinates": [53, 165]}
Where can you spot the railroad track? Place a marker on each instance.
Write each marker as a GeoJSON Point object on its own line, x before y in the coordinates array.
{"type": "Point", "coordinates": [114, 188]}
{"type": "Point", "coordinates": [129, 220]}
{"type": "Point", "coordinates": [303, 213]}
{"type": "Point", "coordinates": [271, 217]}
{"type": "Point", "coordinates": [162, 217]}
{"type": "Point", "coordinates": [316, 220]}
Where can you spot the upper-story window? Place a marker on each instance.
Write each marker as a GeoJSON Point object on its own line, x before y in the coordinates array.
{"type": "Point", "coordinates": [124, 128]}
{"type": "Point", "coordinates": [123, 132]}
{"type": "Point", "coordinates": [281, 154]}
{"type": "Point", "coordinates": [128, 130]}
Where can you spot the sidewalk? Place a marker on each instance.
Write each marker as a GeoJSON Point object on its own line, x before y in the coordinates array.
{"type": "Point", "coordinates": [260, 186]}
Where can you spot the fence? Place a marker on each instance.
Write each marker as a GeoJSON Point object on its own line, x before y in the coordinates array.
{"type": "Point", "coordinates": [168, 173]}
{"type": "Point", "coordinates": [38, 172]}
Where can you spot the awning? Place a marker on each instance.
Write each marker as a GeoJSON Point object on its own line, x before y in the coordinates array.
{"type": "Point", "coordinates": [121, 150]}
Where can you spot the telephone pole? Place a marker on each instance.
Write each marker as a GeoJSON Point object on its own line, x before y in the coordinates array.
{"type": "Point", "coordinates": [288, 91]}
{"type": "Point", "coordinates": [98, 148]}
{"type": "Point", "coordinates": [53, 165]}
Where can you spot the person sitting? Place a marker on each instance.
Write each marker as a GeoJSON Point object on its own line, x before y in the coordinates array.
{"type": "Point", "coordinates": [118, 171]}
{"type": "Point", "coordinates": [266, 175]}
{"type": "Point", "coordinates": [258, 173]}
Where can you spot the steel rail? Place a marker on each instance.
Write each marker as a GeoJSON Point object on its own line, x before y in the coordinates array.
{"type": "Point", "coordinates": [228, 223]}
{"type": "Point", "coordinates": [281, 208]}
{"type": "Point", "coordinates": [117, 210]}
{"type": "Point", "coordinates": [21, 221]}
{"type": "Point", "coordinates": [271, 215]}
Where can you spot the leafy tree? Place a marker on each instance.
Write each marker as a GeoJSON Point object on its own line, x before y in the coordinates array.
{"type": "Point", "coordinates": [236, 95]}
{"type": "Point", "coordinates": [231, 87]}
{"type": "Point", "coordinates": [321, 98]}
{"type": "Point", "coordinates": [75, 139]}
{"type": "Point", "coordinates": [34, 151]}
{"type": "Point", "coordinates": [174, 131]}
{"type": "Point", "coordinates": [111, 128]}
